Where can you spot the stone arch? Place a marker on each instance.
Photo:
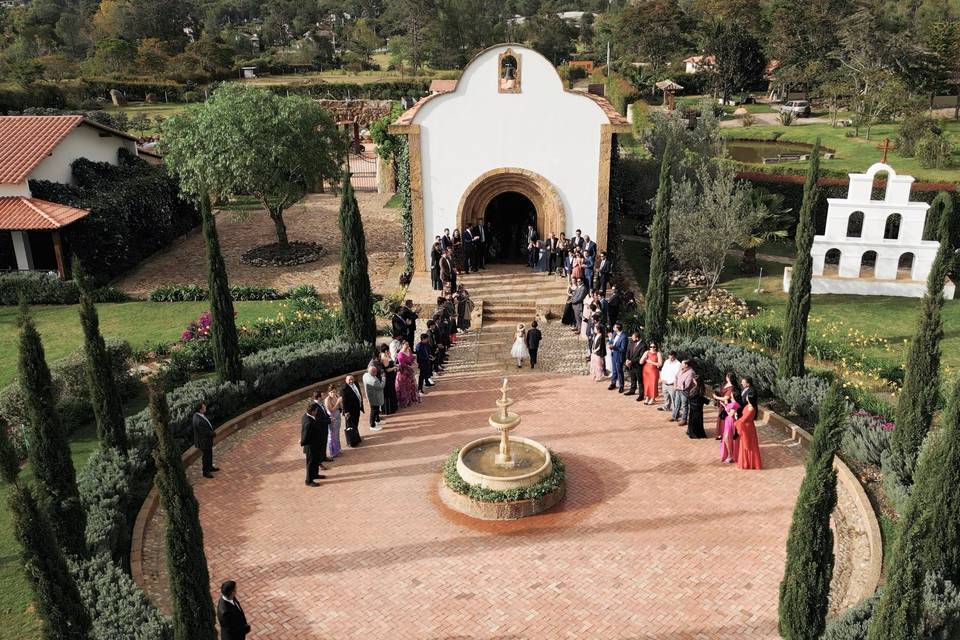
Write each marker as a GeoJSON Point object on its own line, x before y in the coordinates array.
{"type": "Point", "coordinates": [551, 217]}
{"type": "Point", "coordinates": [905, 266]}
{"type": "Point", "coordinates": [831, 262]}
{"type": "Point", "coordinates": [868, 264]}
{"type": "Point", "coordinates": [855, 225]}
{"type": "Point", "coordinates": [891, 229]}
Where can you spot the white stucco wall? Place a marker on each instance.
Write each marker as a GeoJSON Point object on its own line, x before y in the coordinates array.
{"type": "Point", "coordinates": [82, 142]}
{"type": "Point", "coordinates": [543, 129]}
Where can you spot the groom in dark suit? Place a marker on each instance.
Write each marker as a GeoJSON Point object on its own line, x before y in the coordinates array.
{"type": "Point", "coordinates": [533, 342]}
{"type": "Point", "coordinates": [314, 427]}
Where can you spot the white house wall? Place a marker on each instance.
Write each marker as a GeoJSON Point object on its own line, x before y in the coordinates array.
{"type": "Point", "coordinates": [543, 129]}
{"type": "Point", "coordinates": [82, 142]}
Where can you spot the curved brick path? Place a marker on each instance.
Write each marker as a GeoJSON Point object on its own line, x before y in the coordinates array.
{"type": "Point", "coordinates": [656, 539]}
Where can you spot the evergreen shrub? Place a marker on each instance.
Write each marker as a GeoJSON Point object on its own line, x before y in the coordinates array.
{"type": "Point", "coordinates": [48, 288]}
{"type": "Point", "coordinates": [867, 437]}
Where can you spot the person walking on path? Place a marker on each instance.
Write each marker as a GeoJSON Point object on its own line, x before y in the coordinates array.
{"type": "Point", "coordinates": [203, 433]}
{"type": "Point", "coordinates": [373, 386]}
{"type": "Point", "coordinates": [534, 336]}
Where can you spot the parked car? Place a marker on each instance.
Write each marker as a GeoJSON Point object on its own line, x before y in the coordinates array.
{"type": "Point", "coordinates": [799, 108]}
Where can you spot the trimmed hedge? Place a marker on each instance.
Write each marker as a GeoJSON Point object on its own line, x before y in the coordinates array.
{"type": "Point", "coordinates": [546, 486]}
{"type": "Point", "coordinates": [197, 293]}
{"type": "Point", "coordinates": [48, 288]}
{"type": "Point", "coordinates": [350, 91]}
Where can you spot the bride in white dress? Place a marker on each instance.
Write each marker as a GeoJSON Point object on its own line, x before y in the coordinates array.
{"type": "Point", "coordinates": [519, 350]}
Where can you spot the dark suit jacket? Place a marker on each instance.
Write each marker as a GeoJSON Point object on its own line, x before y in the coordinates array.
{"type": "Point", "coordinates": [533, 339]}
{"type": "Point", "coordinates": [399, 325]}
{"type": "Point", "coordinates": [202, 431]}
{"type": "Point", "coordinates": [634, 353]}
{"type": "Point", "coordinates": [233, 622]}
{"type": "Point", "coordinates": [352, 403]}
{"type": "Point", "coordinates": [313, 430]}
{"type": "Point", "coordinates": [445, 242]}
{"type": "Point", "coordinates": [577, 242]}
{"type": "Point", "coordinates": [591, 247]}
{"type": "Point", "coordinates": [446, 269]}
{"type": "Point", "coordinates": [532, 236]}
{"type": "Point", "coordinates": [578, 295]}
{"type": "Point", "coordinates": [605, 268]}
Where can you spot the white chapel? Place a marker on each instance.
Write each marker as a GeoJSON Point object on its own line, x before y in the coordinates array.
{"type": "Point", "coordinates": [509, 145]}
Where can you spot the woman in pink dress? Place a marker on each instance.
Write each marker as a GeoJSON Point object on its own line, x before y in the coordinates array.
{"type": "Point", "coordinates": [406, 378]}
{"type": "Point", "coordinates": [598, 350]}
{"type": "Point", "coordinates": [728, 444]}
{"type": "Point", "coordinates": [727, 393]}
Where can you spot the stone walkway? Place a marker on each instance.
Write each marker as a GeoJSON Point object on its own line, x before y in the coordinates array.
{"type": "Point", "coordinates": [314, 219]}
{"type": "Point", "coordinates": [656, 538]}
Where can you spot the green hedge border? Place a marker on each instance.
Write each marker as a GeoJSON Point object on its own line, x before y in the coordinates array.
{"type": "Point", "coordinates": [453, 480]}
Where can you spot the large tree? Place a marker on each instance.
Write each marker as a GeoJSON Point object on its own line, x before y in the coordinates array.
{"type": "Point", "coordinates": [223, 323]}
{"type": "Point", "coordinates": [794, 345]}
{"type": "Point", "coordinates": [355, 293]}
{"type": "Point", "coordinates": [104, 395]}
{"type": "Point", "coordinates": [738, 61]}
{"type": "Point", "coordinates": [658, 286]}
{"type": "Point", "coordinates": [47, 445]}
{"type": "Point", "coordinates": [651, 32]}
{"type": "Point", "coordinates": [249, 141]}
{"type": "Point", "coordinates": [805, 589]}
{"type": "Point", "coordinates": [921, 384]}
{"type": "Point", "coordinates": [193, 615]}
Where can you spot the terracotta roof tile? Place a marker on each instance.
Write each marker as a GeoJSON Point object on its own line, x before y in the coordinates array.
{"type": "Point", "coordinates": [26, 140]}
{"type": "Point", "coordinates": [19, 213]}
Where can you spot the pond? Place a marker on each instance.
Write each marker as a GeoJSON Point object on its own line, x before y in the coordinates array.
{"type": "Point", "coordinates": [755, 151]}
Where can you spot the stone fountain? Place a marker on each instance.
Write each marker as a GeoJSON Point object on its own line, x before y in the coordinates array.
{"type": "Point", "coordinates": [501, 463]}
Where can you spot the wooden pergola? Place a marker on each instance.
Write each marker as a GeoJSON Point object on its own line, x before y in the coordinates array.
{"type": "Point", "coordinates": [669, 88]}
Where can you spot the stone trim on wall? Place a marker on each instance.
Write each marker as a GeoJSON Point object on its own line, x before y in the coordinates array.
{"type": "Point", "coordinates": [551, 217]}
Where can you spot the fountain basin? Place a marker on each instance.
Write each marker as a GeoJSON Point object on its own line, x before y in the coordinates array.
{"type": "Point", "coordinates": [476, 464]}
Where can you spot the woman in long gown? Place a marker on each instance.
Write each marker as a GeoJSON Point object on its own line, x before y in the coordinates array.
{"type": "Point", "coordinates": [598, 351]}
{"type": "Point", "coordinates": [389, 381]}
{"type": "Point", "coordinates": [332, 404]}
{"type": "Point", "coordinates": [406, 378]}
{"type": "Point", "coordinates": [576, 267]}
{"type": "Point", "coordinates": [748, 457]}
{"type": "Point", "coordinates": [727, 393]}
{"type": "Point", "coordinates": [728, 440]}
{"type": "Point", "coordinates": [651, 362]}
{"type": "Point", "coordinates": [458, 255]}
{"type": "Point", "coordinates": [519, 348]}
{"type": "Point", "coordinates": [695, 417]}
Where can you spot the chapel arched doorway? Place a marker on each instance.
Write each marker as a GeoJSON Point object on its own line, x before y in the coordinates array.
{"type": "Point", "coordinates": [507, 216]}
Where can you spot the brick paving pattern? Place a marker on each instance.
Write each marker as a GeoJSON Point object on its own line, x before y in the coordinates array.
{"type": "Point", "coordinates": [314, 219]}
{"type": "Point", "coordinates": [656, 538]}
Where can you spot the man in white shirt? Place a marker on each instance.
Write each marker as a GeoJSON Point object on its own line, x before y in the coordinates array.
{"type": "Point", "coordinates": [668, 377]}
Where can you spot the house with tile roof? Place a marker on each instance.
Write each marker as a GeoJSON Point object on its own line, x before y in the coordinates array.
{"type": "Point", "coordinates": [508, 146]}
{"type": "Point", "coordinates": [44, 148]}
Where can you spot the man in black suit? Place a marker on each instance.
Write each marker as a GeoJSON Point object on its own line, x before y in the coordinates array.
{"type": "Point", "coordinates": [445, 240]}
{"type": "Point", "coordinates": [613, 305]}
{"type": "Point", "coordinates": [576, 299]}
{"type": "Point", "coordinates": [203, 439]}
{"type": "Point", "coordinates": [352, 408]}
{"type": "Point", "coordinates": [314, 428]}
{"type": "Point", "coordinates": [604, 271]}
{"type": "Point", "coordinates": [533, 342]}
{"type": "Point", "coordinates": [398, 324]}
{"type": "Point", "coordinates": [589, 245]}
{"type": "Point", "coordinates": [410, 317]}
{"type": "Point", "coordinates": [634, 353]}
{"type": "Point", "coordinates": [233, 622]}
{"type": "Point", "coordinates": [532, 252]}
{"type": "Point", "coordinates": [577, 242]}
{"type": "Point", "coordinates": [448, 273]}
{"type": "Point", "coordinates": [469, 262]}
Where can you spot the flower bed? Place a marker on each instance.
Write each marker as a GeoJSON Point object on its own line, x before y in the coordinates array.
{"type": "Point", "coordinates": [273, 255]}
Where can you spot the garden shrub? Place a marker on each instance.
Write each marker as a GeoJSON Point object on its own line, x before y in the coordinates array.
{"type": "Point", "coordinates": [803, 394]}
{"type": "Point", "coordinates": [912, 129]}
{"type": "Point", "coordinates": [272, 372]}
{"type": "Point", "coordinates": [866, 437]}
{"type": "Point", "coordinates": [934, 151]}
{"type": "Point", "coordinates": [716, 357]}
{"type": "Point", "coordinates": [196, 293]}
{"type": "Point", "coordinates": [135, 209]}
{"type": "Point", "coordinates": [48, 288]}
{"type": "Point", "coordinates": [104, 485]}
{"type": "Point", "coordinates": [854, 622]}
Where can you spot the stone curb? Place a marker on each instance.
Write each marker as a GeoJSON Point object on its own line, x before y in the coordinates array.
{"type": "Point", "coordinates": [191, 455]}
{"type": "Point", "coordinates": [847, 478]}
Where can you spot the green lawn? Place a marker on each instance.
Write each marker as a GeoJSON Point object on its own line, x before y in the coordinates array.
{"type": "Point", "coordinates": [151, 111]}
{"type": "Point", "coordinates": [881, 316]}
{"type": "Point", "coordinates": [135, 322]}
{"type": "Point", "coordinates": [852, 154]}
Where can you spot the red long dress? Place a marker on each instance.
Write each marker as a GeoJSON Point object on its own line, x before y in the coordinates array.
{"type": "Point", "coordinates": [748, 456]}
{"type": "Point", "coordinates": [651, 375]}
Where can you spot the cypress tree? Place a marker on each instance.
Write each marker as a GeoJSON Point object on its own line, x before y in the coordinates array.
{"type": "Point", "coordinates": [104, 395]}
{"type": "Point", "coordinates": [193, 615]}
{"type": "Point", "coordinates": [355, 294]}
{"type": "Point", "coordinates": [921, 383]}
{"type": "Point", "coordinates": [55, 592]}
{"type": "Point", "coordinates": [805, 589]}
{"type": "Point", "coordinates": [9, 461]}
{"type": "Point", "coordinates": [658, 286]}
{"type": "Point", "coordinates": [47, 444]}
{"type": "Point", "coordinates": [794, 345]}
{"type": "Point", "coordinates": [223, 325]}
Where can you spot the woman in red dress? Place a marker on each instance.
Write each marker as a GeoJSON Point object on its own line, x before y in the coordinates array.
{"type": "Point", "coordinates": [651, 363]}
{"type": "Point", "coordinates": [748, 456]}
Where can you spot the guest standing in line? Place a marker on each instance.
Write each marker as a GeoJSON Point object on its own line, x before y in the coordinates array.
{"type": "Point", "coordinates": [314, 434]}
{"type": "Point", "coordinates": [406, 379]}
{"type": "Point", "coordinates": [331, 402]}
{"type": "Point", "coordinates": [589, 245]}
{"type": "Point", "coordinates": [458, 253]}
{"type": "Point", "coordinates": [576, 270]}
{"type": "Point", "coordinates": [577, 241]}
{"type": "Point", "coordinates": [696, 401]}
{"type": "Point", "coordinates": [352, 407]}
{"type": "Point", "coordinates": [389, 380]}
{"type": "Point", "coordinates": [532, 237]}
{"type": "Point", "coordinates": [424, 362]}
{"type": "Point", "coordinates": [534, 336]}
{"type": "Point", "coordinates": [598, 353]}
{"type": "Point", "coordinates": [635, 350]}
{"type": "Point", "coordinates": [604, 271]}
{"type": "Point", "coordinates": [203, 433]}
{"type": "Point", "coordinates": [683, 388]}
{"type": "Point", "coordinates": [468, 250]}
{"type": "Point", "coordinates": [230, 616]}
{"type": "Point", "coordinates": [748, 395]}
{"type": "Point", "coordinates": [748, 455]}
{"type": "Point", "coordinates": [613, 304]}
{"type": "Point", "coordinates": [435, 254]}
{"type": "Point", "coordinates": [373, 386]}
{"type": "Point", "coordinates": [652, 361]}
{"type": "Point", "coordinates": [448, 271]}
{"type": "Point", "coordinates": [410, 314]}
{"type": "Point", "coordinates": [588, 264]}
{"type": "Point", "coordinates": [728, 437]}
{"type": "Point", "coordinates": [618, 346]}
{"type": "Point", "coordinates": [668, 376]}
{"type": "Point", "coordinates": [727, 393]}
{"type": "Point", "coordinates": [577, 296]}
{"type": "Point", "coordinates": [465, 308]}
{"type": "Point", "coordinates": [445, 240]}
